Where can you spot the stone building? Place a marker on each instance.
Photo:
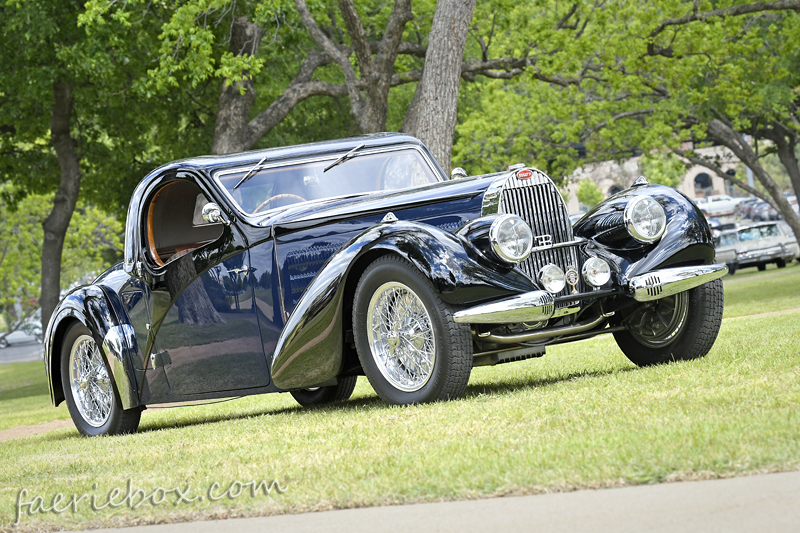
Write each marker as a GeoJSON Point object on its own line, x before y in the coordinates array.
{"type": "Point", "coordinates": [614, 176]}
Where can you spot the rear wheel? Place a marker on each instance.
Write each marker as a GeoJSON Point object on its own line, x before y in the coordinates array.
{"type": "Point", "coordinates": [322, 395]}
{"type": "Point", "coordinates": [3, 344]}
{"type": "Point", "coordinates": [91, 399]}
{"type": "Point", "coordinates": [781, 263]}
{"type": "Point", "coordinates": [410, 348]}
{"type": "Point", "coordinates": [679, 327]}
{"type": "Point", "coordinates": [762, 267]}
{"type": "Point", "coordinates": [731, 269]}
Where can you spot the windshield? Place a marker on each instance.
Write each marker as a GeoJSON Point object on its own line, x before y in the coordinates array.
{"type": "Point", "coordinates": [284, 184]}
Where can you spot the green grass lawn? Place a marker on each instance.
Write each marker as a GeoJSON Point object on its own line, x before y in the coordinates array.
{"type": "Point", "coordinates": [582, 416]}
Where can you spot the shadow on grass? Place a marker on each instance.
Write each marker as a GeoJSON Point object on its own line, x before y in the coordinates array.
{"type": "Point", "coordinates": [366, 403]}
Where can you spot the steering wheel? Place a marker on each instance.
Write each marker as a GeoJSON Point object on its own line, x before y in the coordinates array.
{"type": "Point", "coordinates": [278, 197]}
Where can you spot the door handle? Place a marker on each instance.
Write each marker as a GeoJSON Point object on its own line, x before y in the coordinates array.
{"type": "Point", "coordinates": [244, 270]}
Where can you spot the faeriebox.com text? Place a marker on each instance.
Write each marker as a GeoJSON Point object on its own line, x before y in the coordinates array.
{"type": "Point", "coordinates": [134, 498]}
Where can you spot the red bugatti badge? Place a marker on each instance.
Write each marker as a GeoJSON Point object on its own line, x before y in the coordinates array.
{"type": "Point", "coordinates": [524, 174]}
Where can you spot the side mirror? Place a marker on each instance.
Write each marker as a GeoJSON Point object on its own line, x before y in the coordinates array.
{"type": "Point", "coordinates": [458, 173]}
{"type": "Point", "coordinates": [213, 215]}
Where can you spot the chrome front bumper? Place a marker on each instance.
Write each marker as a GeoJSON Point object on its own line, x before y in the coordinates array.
{"type": "Point", "coordinates": [668, 281]}
{"type": "Point", "coordinates": [537, 306]}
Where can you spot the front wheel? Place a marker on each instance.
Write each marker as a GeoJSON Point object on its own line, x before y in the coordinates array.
{"type": "Point", "coordinates": [3, 344]}
{"type": "Point", "coordinates": [322, 395]}
{"type": "Point", "coordinates": [91, 399]}
{"type": "Point", "coordinates": [410, 348]}
{"type": "Point", "coordinates": [676, 328]}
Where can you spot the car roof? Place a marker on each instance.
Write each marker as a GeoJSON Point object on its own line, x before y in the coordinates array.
{"type": "Point", "coordinates": [212, 163]}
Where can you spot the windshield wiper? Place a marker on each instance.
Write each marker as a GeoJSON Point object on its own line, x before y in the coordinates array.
{"type": "Point", "coordinates": [249, 173]}
{"type": "Point", "coordinates": [345, 157]}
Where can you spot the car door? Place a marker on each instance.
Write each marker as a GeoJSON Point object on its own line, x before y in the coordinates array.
{"type": "Point", "coordinates": [205, 327]}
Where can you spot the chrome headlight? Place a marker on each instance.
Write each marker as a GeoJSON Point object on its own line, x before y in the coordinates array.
{"type": "Point", "coordinates": [552, 278]}
{"type": "Point", "coordinates": [511, 238]}
{"type": "Point", "coordinates": [645, 219]}
{"type": "Point", "coordinates": [596, 272]}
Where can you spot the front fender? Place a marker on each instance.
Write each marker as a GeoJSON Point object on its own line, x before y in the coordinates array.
{"type": "Point", "coordinates": [687, 239]}
{"type": "Point", "coordinates": [93, 307]}
{"type": "Point", "coordinates": [309, 350]}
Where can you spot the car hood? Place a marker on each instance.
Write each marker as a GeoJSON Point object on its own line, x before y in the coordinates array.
{"type": "Point", "coordinates": [334, 209]}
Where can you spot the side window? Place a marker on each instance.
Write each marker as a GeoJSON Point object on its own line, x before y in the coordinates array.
{"type": "Point", "coordinates": [174, 222]}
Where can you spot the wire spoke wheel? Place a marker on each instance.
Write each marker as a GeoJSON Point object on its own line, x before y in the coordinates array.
{"type": "Point", "coordinates": [658, 323]}
{"type": "Point", "coordinates": [89, 381]}
{"type": "Point", "coordinates": [401, 336]}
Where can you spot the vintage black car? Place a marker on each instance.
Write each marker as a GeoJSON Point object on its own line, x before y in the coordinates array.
{"type": "Point", "coordinates": [300, 268]}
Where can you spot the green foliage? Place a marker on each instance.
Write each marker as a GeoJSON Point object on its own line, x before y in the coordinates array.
{"type": "Point", "coordinates": [663, 168]}
{"type": "Point", "coordinates": [605, 84]}
{"type": "Point", "coordinates": [589, 194]}
{"type": "Point", "coordinates": [91, 235]}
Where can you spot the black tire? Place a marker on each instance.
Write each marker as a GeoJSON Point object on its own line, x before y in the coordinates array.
{"type": "Point", "coordinates": [322, 395]}
{"type": "Point", "coordinates": [117, 421]}
{"type": "Point", "coordinates": [689, 333]}
{"type": "Point", "coordinates": [731, 269]}
{"type": "Point", "coordinates": [761, 267]}
{"type": "Point", "coordinates": [781, 263]}
{"type": "Point", "coordinates": [446, 377]}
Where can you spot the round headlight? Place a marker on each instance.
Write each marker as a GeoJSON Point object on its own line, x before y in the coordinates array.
{"type": "Point", "coordinates": [552, 278]}
{"type": "Point", "coordinates": [645, 219]}
{"type": "Point", "coordinates": [596, 272]}
{"type": "Point", "coordinates": [511, 238]}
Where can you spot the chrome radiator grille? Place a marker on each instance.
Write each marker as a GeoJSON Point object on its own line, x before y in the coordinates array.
{"type": "Point", "coordinates": [538, 202]}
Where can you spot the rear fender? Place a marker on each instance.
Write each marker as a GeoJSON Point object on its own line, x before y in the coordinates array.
{"type": "Point", "coordinates": [310, 347]}
{"type": "Point", "coordinates": [91, 306]}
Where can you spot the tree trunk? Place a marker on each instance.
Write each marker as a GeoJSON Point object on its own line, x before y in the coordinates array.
{"type": "Point", "coordinates": [433, 118]}
{"type": "Point", "coordinates": [191, 299]}
{"type": "Point", "coordinates": [56, 224]}
{"type": "Point", "coordinates": [233, 114]}
{"type": "Point", "coordinates": [733, 140]}
{"type": "Point", "coordinates": [789, 160]}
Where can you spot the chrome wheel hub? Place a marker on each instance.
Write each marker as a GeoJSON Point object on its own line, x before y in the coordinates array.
{"type": "Point", "coordinates": [89, 381]}
{"type": "Point", "coordinates": [658, 323]}
{"type": "Point", "coordinates": [401, 336]}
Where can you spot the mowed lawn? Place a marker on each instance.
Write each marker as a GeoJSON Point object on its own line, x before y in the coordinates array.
{"type": "Point", "coordinates": [582, 416]}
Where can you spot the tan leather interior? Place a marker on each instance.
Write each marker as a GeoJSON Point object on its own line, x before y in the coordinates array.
{"type": "Point", "coordinates": [170, 229]}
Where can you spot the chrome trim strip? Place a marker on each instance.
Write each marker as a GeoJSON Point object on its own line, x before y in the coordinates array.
{"type": "Point", "coordinates": [668, 281]}
{"type": "Point", "coordinates": [566, 244]}
{"type": "Point", "coordinates": [117, 341]}
{"type": "Point", "coordinates": [534, 306]}
{"type": "Point", "coordinates": [544, 334]}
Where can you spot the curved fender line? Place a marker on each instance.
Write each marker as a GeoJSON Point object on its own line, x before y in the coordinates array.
{"type": "Point", "coordinates": [91, 307]}
{"type": "Point", "coordinates": [309, 349]}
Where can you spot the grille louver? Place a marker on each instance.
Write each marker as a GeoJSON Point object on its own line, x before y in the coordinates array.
{"type": "Point", "coordinates": [539, 203]}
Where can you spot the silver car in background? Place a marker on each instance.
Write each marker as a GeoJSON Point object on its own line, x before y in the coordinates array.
{"type": "Point", "coordinates": [756, 245]}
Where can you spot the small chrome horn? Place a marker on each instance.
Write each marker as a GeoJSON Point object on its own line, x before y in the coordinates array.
{"type": "Point", "coordinates": [458, 173]}
{"type": "Point", "coordinates": [213, 215]}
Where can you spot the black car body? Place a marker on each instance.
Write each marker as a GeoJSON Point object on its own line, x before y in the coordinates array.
{"type": "Point", "coordinates": [299, 268]}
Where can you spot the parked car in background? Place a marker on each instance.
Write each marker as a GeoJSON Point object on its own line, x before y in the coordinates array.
{"type": "Point", "coordinates": [762, 211]}
{"type": "Point", "coordinates": [743, 208]}
{"type": "Point", "coordinates": [718, 225]}
{"type": "Point", "coordinates": [297, 269]}
{"type": "Point", "coordinates": [718, 204]}
{"type": "Point", "coordinates": [756, 245]}
{"type": "Point", "coordinates": [29, 332]}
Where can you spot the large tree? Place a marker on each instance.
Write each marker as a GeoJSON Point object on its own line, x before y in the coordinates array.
{"type": "Point", "coordinates": [674, 76]}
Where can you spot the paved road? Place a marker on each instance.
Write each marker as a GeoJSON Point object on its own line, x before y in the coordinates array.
{"type": "Point", "coordinates": [19, 353]}
{"type": "Point", "coordinates": [764, 503]}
